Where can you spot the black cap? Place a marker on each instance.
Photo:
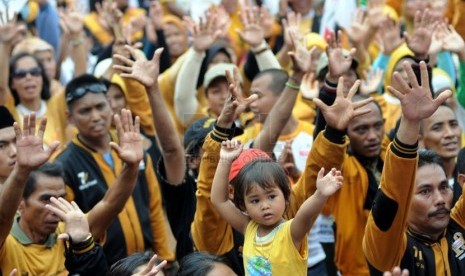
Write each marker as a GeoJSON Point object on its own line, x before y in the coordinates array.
{"type": "Point", "coordinates": [6, 120]}
{"type": "Point", "coordinates": [196, 133]}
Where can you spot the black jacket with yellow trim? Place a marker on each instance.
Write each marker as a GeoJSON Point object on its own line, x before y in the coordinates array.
{"type": "Point", "coordinates": [141, 225]}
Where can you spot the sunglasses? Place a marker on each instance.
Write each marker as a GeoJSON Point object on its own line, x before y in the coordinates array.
{"type": "Point", "coordinates": [81, 91]}
{"type": "Point", "coordinates": [22, 73]}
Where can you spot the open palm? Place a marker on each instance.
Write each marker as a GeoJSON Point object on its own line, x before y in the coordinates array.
{"type": "Point", "coordinates": [419, 42]}
{"type": "Point", "coordinates": [253, 32]}
{"type": "Point", "coordinates": [417, 100]}
{"type": "Point", "coordinates": [343, 110]}
{"type": "Point", "coordinates": [130, 148]}
{"type": "Point", "coordinates": [230, 150]}
{"type": "Point", "coordinates": [203, 34]}
{"type": "Point", "coordinates": [30, 150]}
{"type": "Point", "coordinates": [328, 184]}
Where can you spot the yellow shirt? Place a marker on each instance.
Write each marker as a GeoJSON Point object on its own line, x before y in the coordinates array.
{"type": "Point", "coordinates": [277, 256]}
{"type": "Point", "coordinates": [32, 259]}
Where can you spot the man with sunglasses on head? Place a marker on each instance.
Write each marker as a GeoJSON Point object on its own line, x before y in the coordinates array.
{"type": "Point", "coordinates": [91, 168]}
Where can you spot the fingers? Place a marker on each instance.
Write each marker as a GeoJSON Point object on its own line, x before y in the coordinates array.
{"type": "Point", "coordinates": [340, 88]}
{"type": "Point", "coordinates": [124, 60]}
{"type": "Point", "coordinates": [353, 90]}
{"type": "Point", "coordinates": [63, 237]}
{"type": "Point", "coordinates": [362, 103]}
{"type": "Point", "coordinates": [424, 75]}
{"type": "Point", "coordinates": [118, 124]}
{"type": "Point", "coordinates": [361, 112]}
{"type": "Point", "coordinates": [42, 127]}
{"type": "Point", "coordinates": [401, 83]}
{"type": "Point", "coordinates": [157, 54]}
{"type": "Point", "coordinates": [395, 92]}
{"type": "Point", "coordinates": [411, 75]}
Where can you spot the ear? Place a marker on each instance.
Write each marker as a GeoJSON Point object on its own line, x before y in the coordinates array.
{"type": "Point", "coordinates": [69, 117]}
{"type": "Point", "coordinates": [22, 206]}
{"type": "Point", "coordinates": [461, 179]}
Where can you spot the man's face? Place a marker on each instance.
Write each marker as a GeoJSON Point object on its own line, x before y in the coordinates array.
{"type": "Point", "coordinates": [7, 152]}
{"type": "Point", "coordinates": [91, 115]}
{"type": "Point", "coordinates": [431, 202]}
{"type": "Point", "coordinates": [217, 94]}
{"type": "Point", "coordinates": [366, 133]}
{"type": "Point", "coordinates": [441, 133]}
{"type": "Point", "coordinates": [266, 99]}
{"type": "Point", "coordinates": [48, 61]}
{"type": "Point", "coordinates": [33, 212]}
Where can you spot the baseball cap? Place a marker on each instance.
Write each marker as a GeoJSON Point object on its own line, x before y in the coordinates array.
{"type": "Point", "coordinates": [244, 158]}
{"type": "Point", "coordinates": [216, 71]}
{"type": "Point", "coordinates": [196, 133]}
{"type": "Point", "coordinates": [6, 119]}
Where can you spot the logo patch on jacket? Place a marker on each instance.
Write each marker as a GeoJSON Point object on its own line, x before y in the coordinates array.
{"type": "Point", "coordinates": [83, 176]}
{"type": "Point", "coordinates": [459, 246]}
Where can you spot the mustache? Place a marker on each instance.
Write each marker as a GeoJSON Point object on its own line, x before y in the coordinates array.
{"type": "Point", "coordinates": [438, 211]}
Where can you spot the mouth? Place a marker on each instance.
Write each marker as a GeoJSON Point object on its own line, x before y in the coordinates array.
{"type": "Point", "coordinates": [12, 164]}
{"type": "Point", "coordinates": [373, 147]}
{"type": "Point", "coordinates": [450, 145]}
{"type": "Point", "coordinates": [30, 88]}
{"type": "Point", "coordinates": [268, 216]}
{"type": "Point", "coordinates": [441, 213]}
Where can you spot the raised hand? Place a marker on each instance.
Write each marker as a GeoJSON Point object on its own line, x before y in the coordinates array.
{"type": "Point", "coordinates": [423, 28]}
{"type": "Point", "coordinates": [72, 20]}
{"type": "Point", "coordinates": [235, 104]}
{"type": "Point", "coordinates": [203, 34]}
{"type": "Point", "coordinates": [452, 41]}
{"type": "Point", "coordinates": [359, 27]}
{"type": "Point", "coordinates": [130, 148]}
{"type": "Point", "coordinates": [252, 32]}
{"type": "Point", "coordinates": [29, 146]}
{"type": "Point", "coordinates": [338, 64]}
{"type": "Point", "coordinates": [142, 70]}
{"type": "Point", "coordinates": [286, 160]}
{"type": "Point", "coordinates": [76, 224]}
{"type": "Point", "coordinates": [416, 100]}
{"type": "Point", "coordinates": [151, 269]}
{"type": "Point", "coordinates": [375, 13]}
{"type": "Point", "coordinates": [327, 185]}
{"type": "Point", "coordinates": [109, 17]}
{"type": "Point", "coordinates": [291, 25]}
{"type": "Point", "coordinates": [371, 81]}
{"type": "Point", "coordinates": [388, 35]}
{"type": "Point", "coordinates": [14, 272]}
{"type": "Point", "coordinates": [156, 14]}
{"type": "Point", "coordinates": [343, 110]}
{"type": "Point", "coordinates": [300, 56]}
{"type": "Point", "coordinates": [230, 150]}
{"type": "Point", "coordinates": [10, 31]}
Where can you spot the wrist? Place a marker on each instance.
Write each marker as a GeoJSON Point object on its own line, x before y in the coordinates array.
{"type": "Point", "coordinates": [332, 79]}
{"type": "Point", "coordinates": [319, 195]}
{"type": "Point", "coordinates": [297, 76]}
{"type": "Point", "coordinates": [260, 48]}
{"type": "Point", "coordinates": [421, 56]}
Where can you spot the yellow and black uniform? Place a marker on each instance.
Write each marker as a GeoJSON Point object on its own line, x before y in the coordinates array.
{"type": "Point", "coordinates": [141, 224]}
{"type": "Point", "coordinates": [19, 252]}
{"type": "Point", "coordinates": [388, 241]}
{"type": "Point", "coordinates": [209, 231]}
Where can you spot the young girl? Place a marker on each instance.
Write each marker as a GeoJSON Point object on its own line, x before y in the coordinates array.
{"type": "Point", "coordinates": [272, 245]}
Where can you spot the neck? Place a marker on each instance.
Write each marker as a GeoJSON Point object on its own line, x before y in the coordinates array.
{"type": "Point", "coordinates": [449, 166]}
{"type": "Point", "coordinates": [34, 236]}
{"type": "Point", "coordinates": [290, 126]}
{"type": "Point", "coordinates": [101, 145]}
{"type": "Point", "coordinates": [434, 237]}
{"type": "Point", "coordinates": [33, 105]}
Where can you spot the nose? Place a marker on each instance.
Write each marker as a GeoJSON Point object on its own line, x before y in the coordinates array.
{"type": "Point", "coordinates": [95, 115]}
{"type": "Point", "coordinates": [439, 198]}
{"type": "Point", "coordinates": [372, 134]}
{"type": "Point", "coordinates": [265, 205]}
{"type": "Point", "coordinates": [449, 131]}
{"type": "Point", "coordinates": [12, 150]}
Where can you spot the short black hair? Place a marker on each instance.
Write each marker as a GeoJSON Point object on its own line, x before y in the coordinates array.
{"type": "Point", "coordinates": [128, 265]}
{"type": "Point", "coordinates": [45, 93]}
{"type": "Point", "coordinates": [461, 161]}
{"type": "Point", "coordinates": [422, 124]}
{"type": "Point", "coordinates": [429, 157]}
{"type": "Point", "coordinates": [263, 172]}
{"type": "Point", "coordinates": [48, 169]}
{"type": "Point", "coordinates": [198, 264]}
{"type": "Point", "coordinates": [81, 81]}
{"type": "Point", "coordinates": [278, 79]}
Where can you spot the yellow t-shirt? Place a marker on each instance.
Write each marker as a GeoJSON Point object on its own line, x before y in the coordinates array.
{"type": "Point", "coordinates": [32, 259]}
{"type": "Point", "coordinates": [278, 256]}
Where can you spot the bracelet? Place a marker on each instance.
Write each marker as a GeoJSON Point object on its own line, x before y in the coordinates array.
{"type": "Point", "coordinates": [76, 42]}
{"type": "Point", "coordinates": [293, 86]}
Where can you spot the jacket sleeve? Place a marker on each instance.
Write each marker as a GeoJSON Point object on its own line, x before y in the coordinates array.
{"type": "Point", "coordinates": [87, 262]}
{"type": "Point", "coordinates": [157, 218]}
{"type": "Point", "coordinates": [210, 232]}
{"type": "Point", "coordinates": [458, 212]}
{"type": "Point", "coordinates": [328, 151]}
{"type": "Point", "coordinates": [385, 240]}
{"type": "Point", "coordinates": [138, 102]}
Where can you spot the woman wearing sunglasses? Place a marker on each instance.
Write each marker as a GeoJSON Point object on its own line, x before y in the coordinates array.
{"type": "Point", "coordinates": [29, 91]}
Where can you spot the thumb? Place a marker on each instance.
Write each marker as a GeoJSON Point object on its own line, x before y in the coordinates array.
{"type": "Point", "coordinates": [157, 54]}
{"type": "Point", "coordinates": [406, 38]}
{"type": "Point", "coordinates": [442, 97]}
{"type": "Point", "coordinates": [53, 147]}
{"type": "Point", "coordinates": [63, 237]}
{"type": "Point", "coordinates": [320, 104]}
{"type": "Point", "coordinates": [114, 146]}
{"type": "Point", "coordinates": [321, 173]}
{"type": "Point", "coordinates": [240, 33]}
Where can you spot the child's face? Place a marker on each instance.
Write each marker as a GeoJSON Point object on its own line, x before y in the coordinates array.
{"type": "Point", "coordinates": [266, 207]}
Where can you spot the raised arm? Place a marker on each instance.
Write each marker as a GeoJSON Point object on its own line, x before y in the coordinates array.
{"type": "Point", "coordinates": [326, 185]}
{"type": "Point", "coordinates": [30, 155]}
{"type": "Point", "coordinates": [74, 21]}
{"type": "Point", "coordinates": [282, 110]}
{"type": "Point", "coordinates": [388, 219]}
{"type": "Point", "coordinates": [230, 150]}
{"type": "Point", "coordinates": [185, 95]}
{"type": "Point", "coordinates": [146, 72]}
{"type": "Point", "coordinates": [9, 32]}
{"type": "Point", "coordinates": [130, 150]}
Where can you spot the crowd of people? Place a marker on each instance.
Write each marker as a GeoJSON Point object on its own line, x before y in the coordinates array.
{"type": "Point", "coordinates": [232, 137]}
